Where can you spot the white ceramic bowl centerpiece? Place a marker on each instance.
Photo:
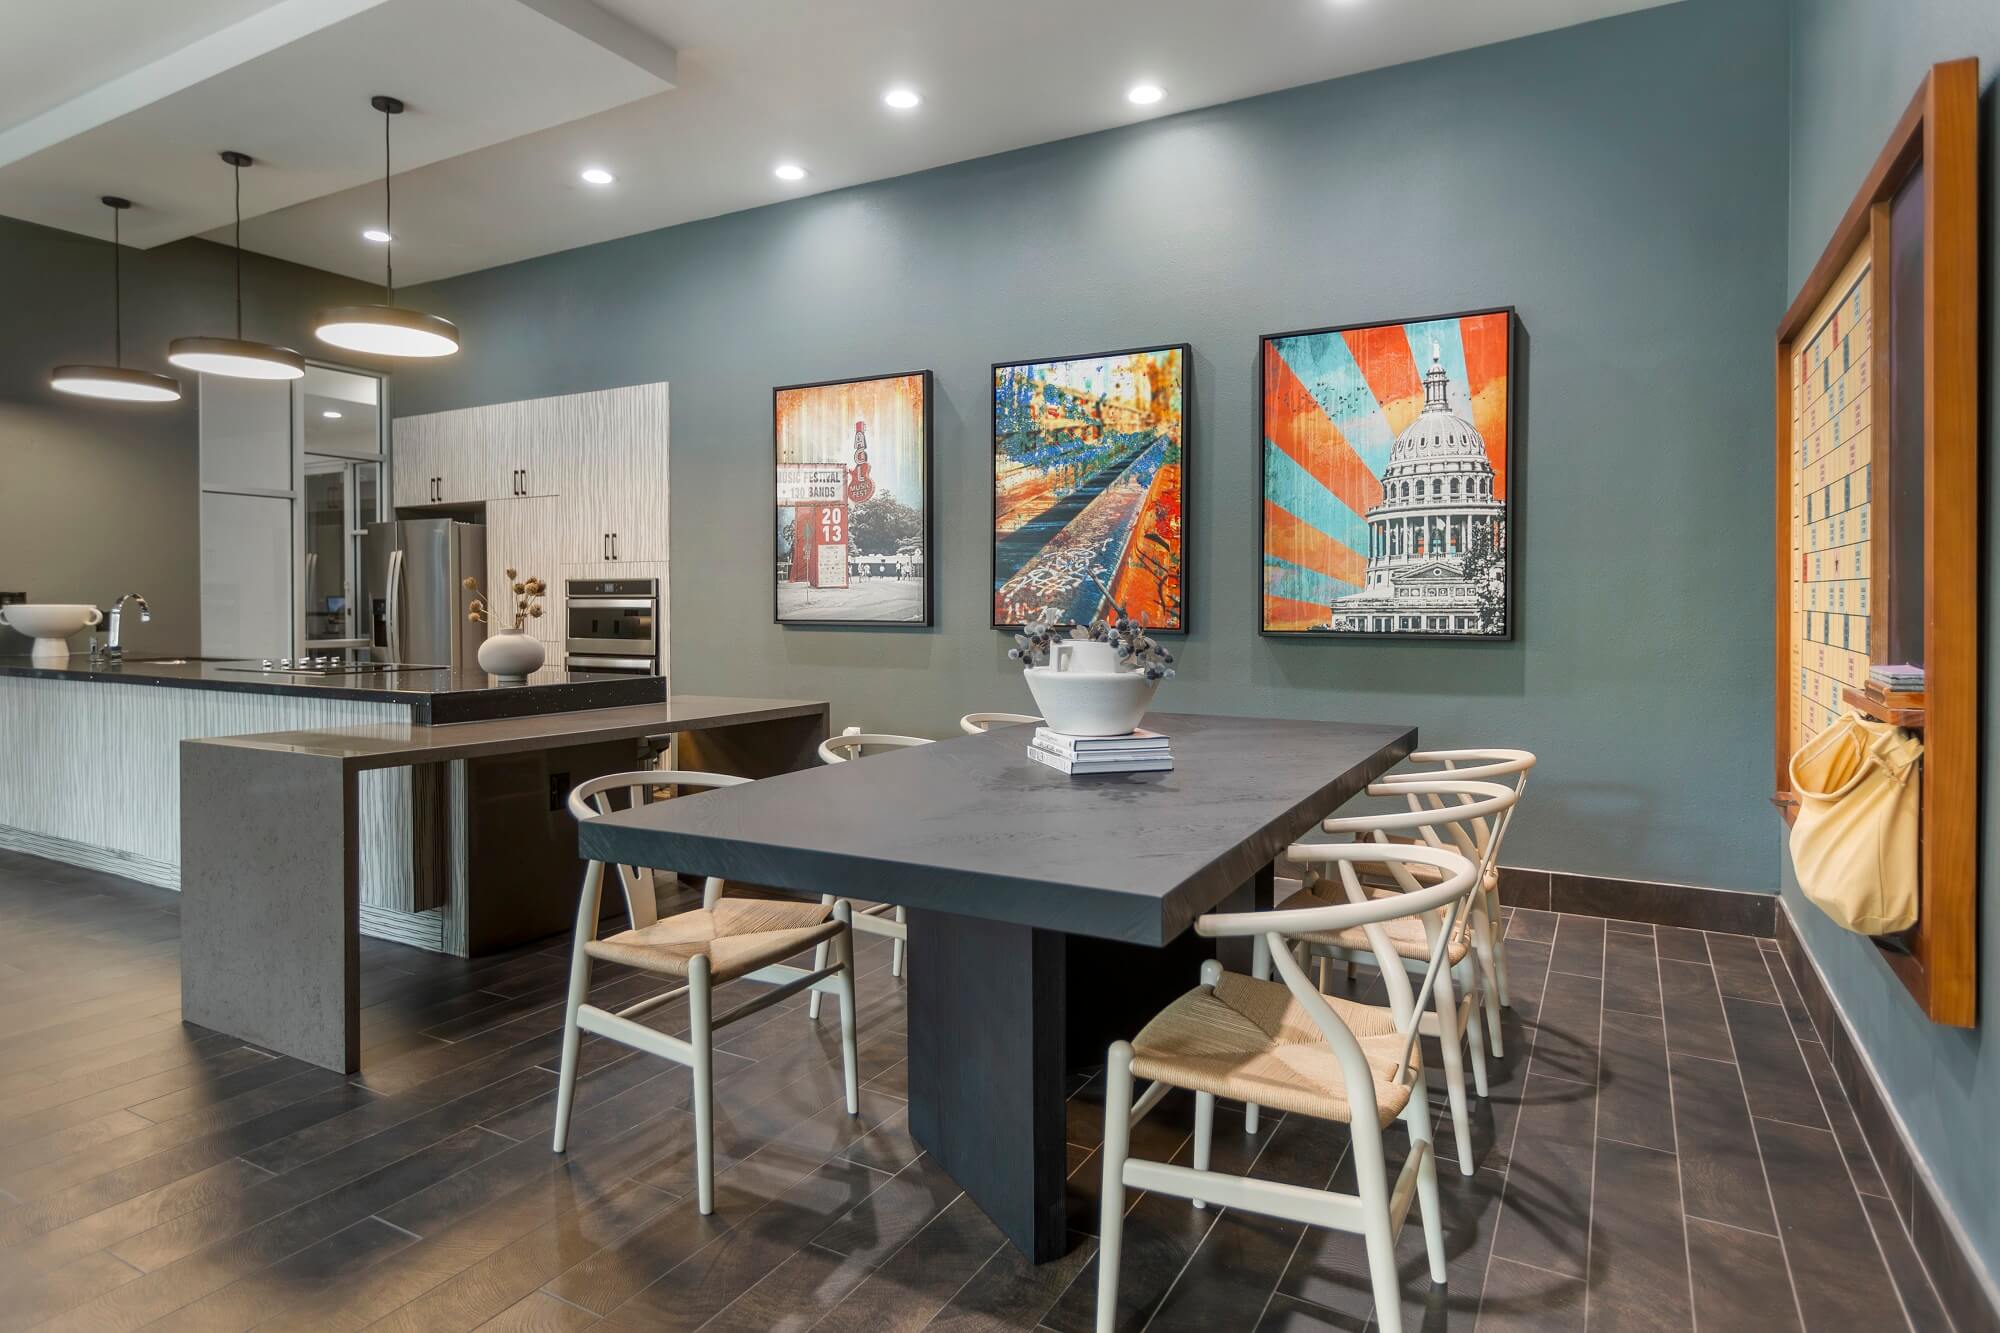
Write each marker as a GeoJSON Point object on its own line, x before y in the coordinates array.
{"type": "Point", "coordinates": [1097, 681]}
{"type": "Point", "coordinates": [510, 655]}
{"type": "Point", "coordinates": [50, 624]}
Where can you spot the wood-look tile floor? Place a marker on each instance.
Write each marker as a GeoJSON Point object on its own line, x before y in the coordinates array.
{"type": "Point", "coordinates": [1664, 1148]}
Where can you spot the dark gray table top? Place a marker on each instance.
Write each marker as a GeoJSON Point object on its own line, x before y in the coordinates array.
{"type": "Point", "coordinates": [970, 825]}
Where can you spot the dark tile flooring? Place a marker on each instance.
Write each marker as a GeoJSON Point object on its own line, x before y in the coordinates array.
{"type": "Point", "coordinates": [1665, 1148]}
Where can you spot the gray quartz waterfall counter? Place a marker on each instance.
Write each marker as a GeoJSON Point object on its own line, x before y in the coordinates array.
{"type": "Point", "coordinates": [272, 844]}
{"type": "Point", "coordinates": [90, 758]}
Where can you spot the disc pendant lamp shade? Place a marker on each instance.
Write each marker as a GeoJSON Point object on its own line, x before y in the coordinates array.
{"type": "Point", "coordinates": [115, 381]}
{"type": "Point", "coordinates": [237, 357]}
{"type": "Point", "coordinates": [387, 329]}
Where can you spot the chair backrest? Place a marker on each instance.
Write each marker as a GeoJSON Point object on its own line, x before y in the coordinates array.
{"type": "Point", "coordinates": [1451, 895]}
{"type": "Point", "coordinates": [588, 800]}
{"type": "Point", "coordinates": [1490, 765]}
{"type": "Point", "coordinates": [1469, 812]}
{"type": "Point", "coordinates": [974, 723]}
{"type": "Point", "coordinates": [854, 743]}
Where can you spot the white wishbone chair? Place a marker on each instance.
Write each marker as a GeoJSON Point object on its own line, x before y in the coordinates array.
{"type": "Point", "coordinates": [1455, 1020]}
{"type": "Point", "coordinates": [1285, 1044]}
{"type": "Point", "coordinates": [972, 724]}
{"type": "Point", "coordinates": [876, 918]}
{"type": "Point", "coordinates": [725, 939]}
{"type": "Point", "coordinates": [1481, 765]}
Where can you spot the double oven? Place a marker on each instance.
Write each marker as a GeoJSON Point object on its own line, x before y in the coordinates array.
{"type": "Point", "coordinates": [612, 625]}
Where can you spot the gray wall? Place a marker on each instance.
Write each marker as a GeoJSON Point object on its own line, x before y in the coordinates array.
{"type": "Point", "coordinates": [98, 499]}
{"type": "Point", "coordinates": [1621, 183]}
{"type": "Point", "coordinates": [1855, 64]}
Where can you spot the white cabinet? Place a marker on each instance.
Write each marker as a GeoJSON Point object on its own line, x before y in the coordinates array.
{"type": "Point", "coordinates": [522, 535]}
{"type": "Point", "coordinates": [523, 456]}
{"type": "Point", "coordinates": [612, 450]}
{"type": "Point", "coordinates": [443, 458]}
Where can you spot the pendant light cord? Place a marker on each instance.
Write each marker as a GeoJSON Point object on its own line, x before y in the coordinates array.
{"type": "Point", "coordinates": [117, 301]}
{"type": "Point", "coordinates": [237, 168]}
{"type": "Point", "coordinates": [388, 223]}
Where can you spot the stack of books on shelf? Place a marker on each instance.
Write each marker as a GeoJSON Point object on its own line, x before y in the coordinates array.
{"type": "Point", "coordinates": [1138, 751]}
{"type": "Point", "coordinates": [1895, 680]}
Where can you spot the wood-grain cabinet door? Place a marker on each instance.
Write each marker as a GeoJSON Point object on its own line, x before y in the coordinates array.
{"type": "Point", "coordinates": [413, 462]}
{"type": "Point", "coordinates": [613, 451]}
{"type": "Point", "coordinates": [522, 534]}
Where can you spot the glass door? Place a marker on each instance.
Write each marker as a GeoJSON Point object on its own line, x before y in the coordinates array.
{"type": "Point", "coordinates": [341, 468]}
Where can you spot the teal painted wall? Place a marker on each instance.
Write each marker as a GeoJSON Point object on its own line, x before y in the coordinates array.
{"type": "Point", "coordinates": [1622, 183]}
{"type": "Point", "coordinates": [1855, 64]}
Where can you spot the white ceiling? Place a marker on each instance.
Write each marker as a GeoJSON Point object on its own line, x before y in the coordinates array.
{"type": "Point", "coordinates": [690, 102]}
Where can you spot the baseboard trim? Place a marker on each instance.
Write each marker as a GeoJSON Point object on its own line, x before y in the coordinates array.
{"type": "Point", "coordinates": [1968, 1291]}
{"type": "Point", "coordinates": [1734, 911]}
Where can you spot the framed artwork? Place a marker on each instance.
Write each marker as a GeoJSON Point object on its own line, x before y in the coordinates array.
{"type": "Point", "coordinates": [1388, 479]}
{"type": "Point", "coordinates": [1090, 488]}
{"type": "Point", "coordinates": [853, 501]}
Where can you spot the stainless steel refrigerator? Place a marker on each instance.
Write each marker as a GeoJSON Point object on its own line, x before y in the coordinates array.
{"type": "Point", "coordinates": [415, 570]}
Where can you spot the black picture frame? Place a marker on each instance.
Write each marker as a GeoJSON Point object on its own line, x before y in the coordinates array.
{"type": "Point", "coordinates": [1186, 351]}
{"type": "Point", "coordinates": [1510, 501]}
{"type": "Point", "coordinates": [929, 592]}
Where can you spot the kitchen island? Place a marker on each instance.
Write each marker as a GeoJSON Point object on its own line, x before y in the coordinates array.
{"type": "Point", "coordinates": [90, 763]}
{"type": "Point", "coordinates": [271, 852]}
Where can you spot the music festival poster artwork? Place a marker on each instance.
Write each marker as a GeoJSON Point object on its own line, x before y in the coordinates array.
{"type": "Point", "coordinates": [853, 501]}
{"type": "Point", "coordinates": [1089, 488]}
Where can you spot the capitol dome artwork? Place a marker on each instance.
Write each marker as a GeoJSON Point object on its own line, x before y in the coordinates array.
{"type": "Point", "coordinates": [1385, 479]}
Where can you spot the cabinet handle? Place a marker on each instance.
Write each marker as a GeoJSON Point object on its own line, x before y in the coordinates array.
{"type": "Point", "coordinates": [604, 540]}
{"type": "Point", "coordinates": [614, 546]}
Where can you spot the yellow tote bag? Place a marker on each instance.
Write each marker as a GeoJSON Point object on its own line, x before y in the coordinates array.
{"type": "Point", "coordinates": [1854, 843]}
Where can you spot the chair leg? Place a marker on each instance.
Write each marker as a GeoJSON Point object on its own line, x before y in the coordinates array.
{"type": "Point", "coordinates": [845, 980]}
{"type": "Point", "coordinates": [1449, 1042]}
{"type": "Point", "coordinates": [1204, 1132]}
{"type": "Point", "coordinates": [1260, 968]}
{"type": "Point", "coordinates": [1111, 1214]}
{"type": "Point", "coordinates": [1486, 946]}
{"type": "Point", "coordinates": [579, 987]}
{"type": "Point", "coordinates": [1371, 1175]}
{"type": "Point", "coordinates": [819, 961]}
{"type": "Point", "coordinates": [901, 946]}
{"type": "Point", "coordinates": [700, 1037]}
{"type": "Point", "coordinates": [1499, 954]}
{"type": "Point", "coordinates": [1474, 1042]}
{"type": "Point", "coordinates": [1419, 1121]}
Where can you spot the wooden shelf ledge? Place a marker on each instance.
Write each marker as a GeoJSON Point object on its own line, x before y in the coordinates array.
{"type": "Point", "coordinates": [1909, 716]}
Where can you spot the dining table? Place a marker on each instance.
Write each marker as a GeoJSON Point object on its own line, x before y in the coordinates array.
{"type": "Point", "coordinates": [1048, 915]}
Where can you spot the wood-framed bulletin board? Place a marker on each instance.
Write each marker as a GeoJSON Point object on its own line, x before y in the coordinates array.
{"type": "Point", "coordinates": [1877, 551]}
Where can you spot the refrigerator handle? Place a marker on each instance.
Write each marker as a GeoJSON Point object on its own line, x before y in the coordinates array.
{"type": "Point", "coordinates": [396, 605]}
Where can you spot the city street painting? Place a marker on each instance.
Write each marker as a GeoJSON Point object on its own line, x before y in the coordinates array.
{"type": "Point", "coordinates": [1089, 476]}
{"type": "Point", "coordinates": [853, 501]}
{"type": "Point", "coordinates": [1387, 478]}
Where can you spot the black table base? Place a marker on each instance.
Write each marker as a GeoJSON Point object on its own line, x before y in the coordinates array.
{"type": "Point", "coordinates": [999, 1015]}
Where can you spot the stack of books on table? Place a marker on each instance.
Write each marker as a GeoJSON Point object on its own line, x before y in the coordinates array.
{"type": "Point", "coordinates": [1139, 751]}
{"type": "Point", "coordinates": [1895, 679]}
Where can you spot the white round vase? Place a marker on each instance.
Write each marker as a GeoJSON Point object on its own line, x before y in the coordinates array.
{"type": "Point", "coordinates": [1084, 692]}
{"type": "Point", "coordinates": [511, 657]}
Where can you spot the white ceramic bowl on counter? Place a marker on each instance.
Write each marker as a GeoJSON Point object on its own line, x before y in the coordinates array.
{"type": "Point", "coordinates": [50, 624]}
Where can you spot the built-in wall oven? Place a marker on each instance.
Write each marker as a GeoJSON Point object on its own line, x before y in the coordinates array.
{"type": "Point", "coordinates": [613, 625]}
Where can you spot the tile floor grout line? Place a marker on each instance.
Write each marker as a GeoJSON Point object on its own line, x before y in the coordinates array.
{"type": "Point", "coordinates": [1757, 1141]}
{"type": "Point", "coordinates": [1596, 1119]}
{"type": "Point", "coordinates": [1507, 1172]}
{"type": "Point", "coordinates": [1674, 1118]}
{"type": "Point", "coordinates": [1733, 1226]}
{"type": "Point", "coordinates": [1827, 1111]}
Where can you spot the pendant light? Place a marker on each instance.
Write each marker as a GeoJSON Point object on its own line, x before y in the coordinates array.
{"type": "Point", "coordinates": [114, 380]}
{"type": "Point", "coordinates": [386, 329]}
{"type": "Point", "coordinates": [237, 357]}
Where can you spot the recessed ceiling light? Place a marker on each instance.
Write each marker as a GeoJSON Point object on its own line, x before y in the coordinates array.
{"type": "Point", "coordinates": [331, 415]}
{"type": "Point", "coordinates": [377, 235]}
{"type": "Point", "coordinates": [596, 176]}
{"type": "Point", "coordinates": [789, 171]}
{"type": "Point", "coordinates": [903, 99]}
{"type": "Point", "coordinates": [1145, 94]}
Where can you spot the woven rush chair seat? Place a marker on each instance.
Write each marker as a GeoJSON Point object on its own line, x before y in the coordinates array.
{"type": "Point", "coordinates": [737, 935]}
{"type": "Point", "coordinates": [1250, 1040]}
{"type": "Point", "coordinates": [1406, 933]}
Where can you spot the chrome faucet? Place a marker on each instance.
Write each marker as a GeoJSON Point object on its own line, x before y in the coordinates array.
{"type": "Point", "coordinates": [113, 650]}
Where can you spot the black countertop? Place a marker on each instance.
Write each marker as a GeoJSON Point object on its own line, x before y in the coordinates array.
{"type": "Point", "coordinates": [435, 698]}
